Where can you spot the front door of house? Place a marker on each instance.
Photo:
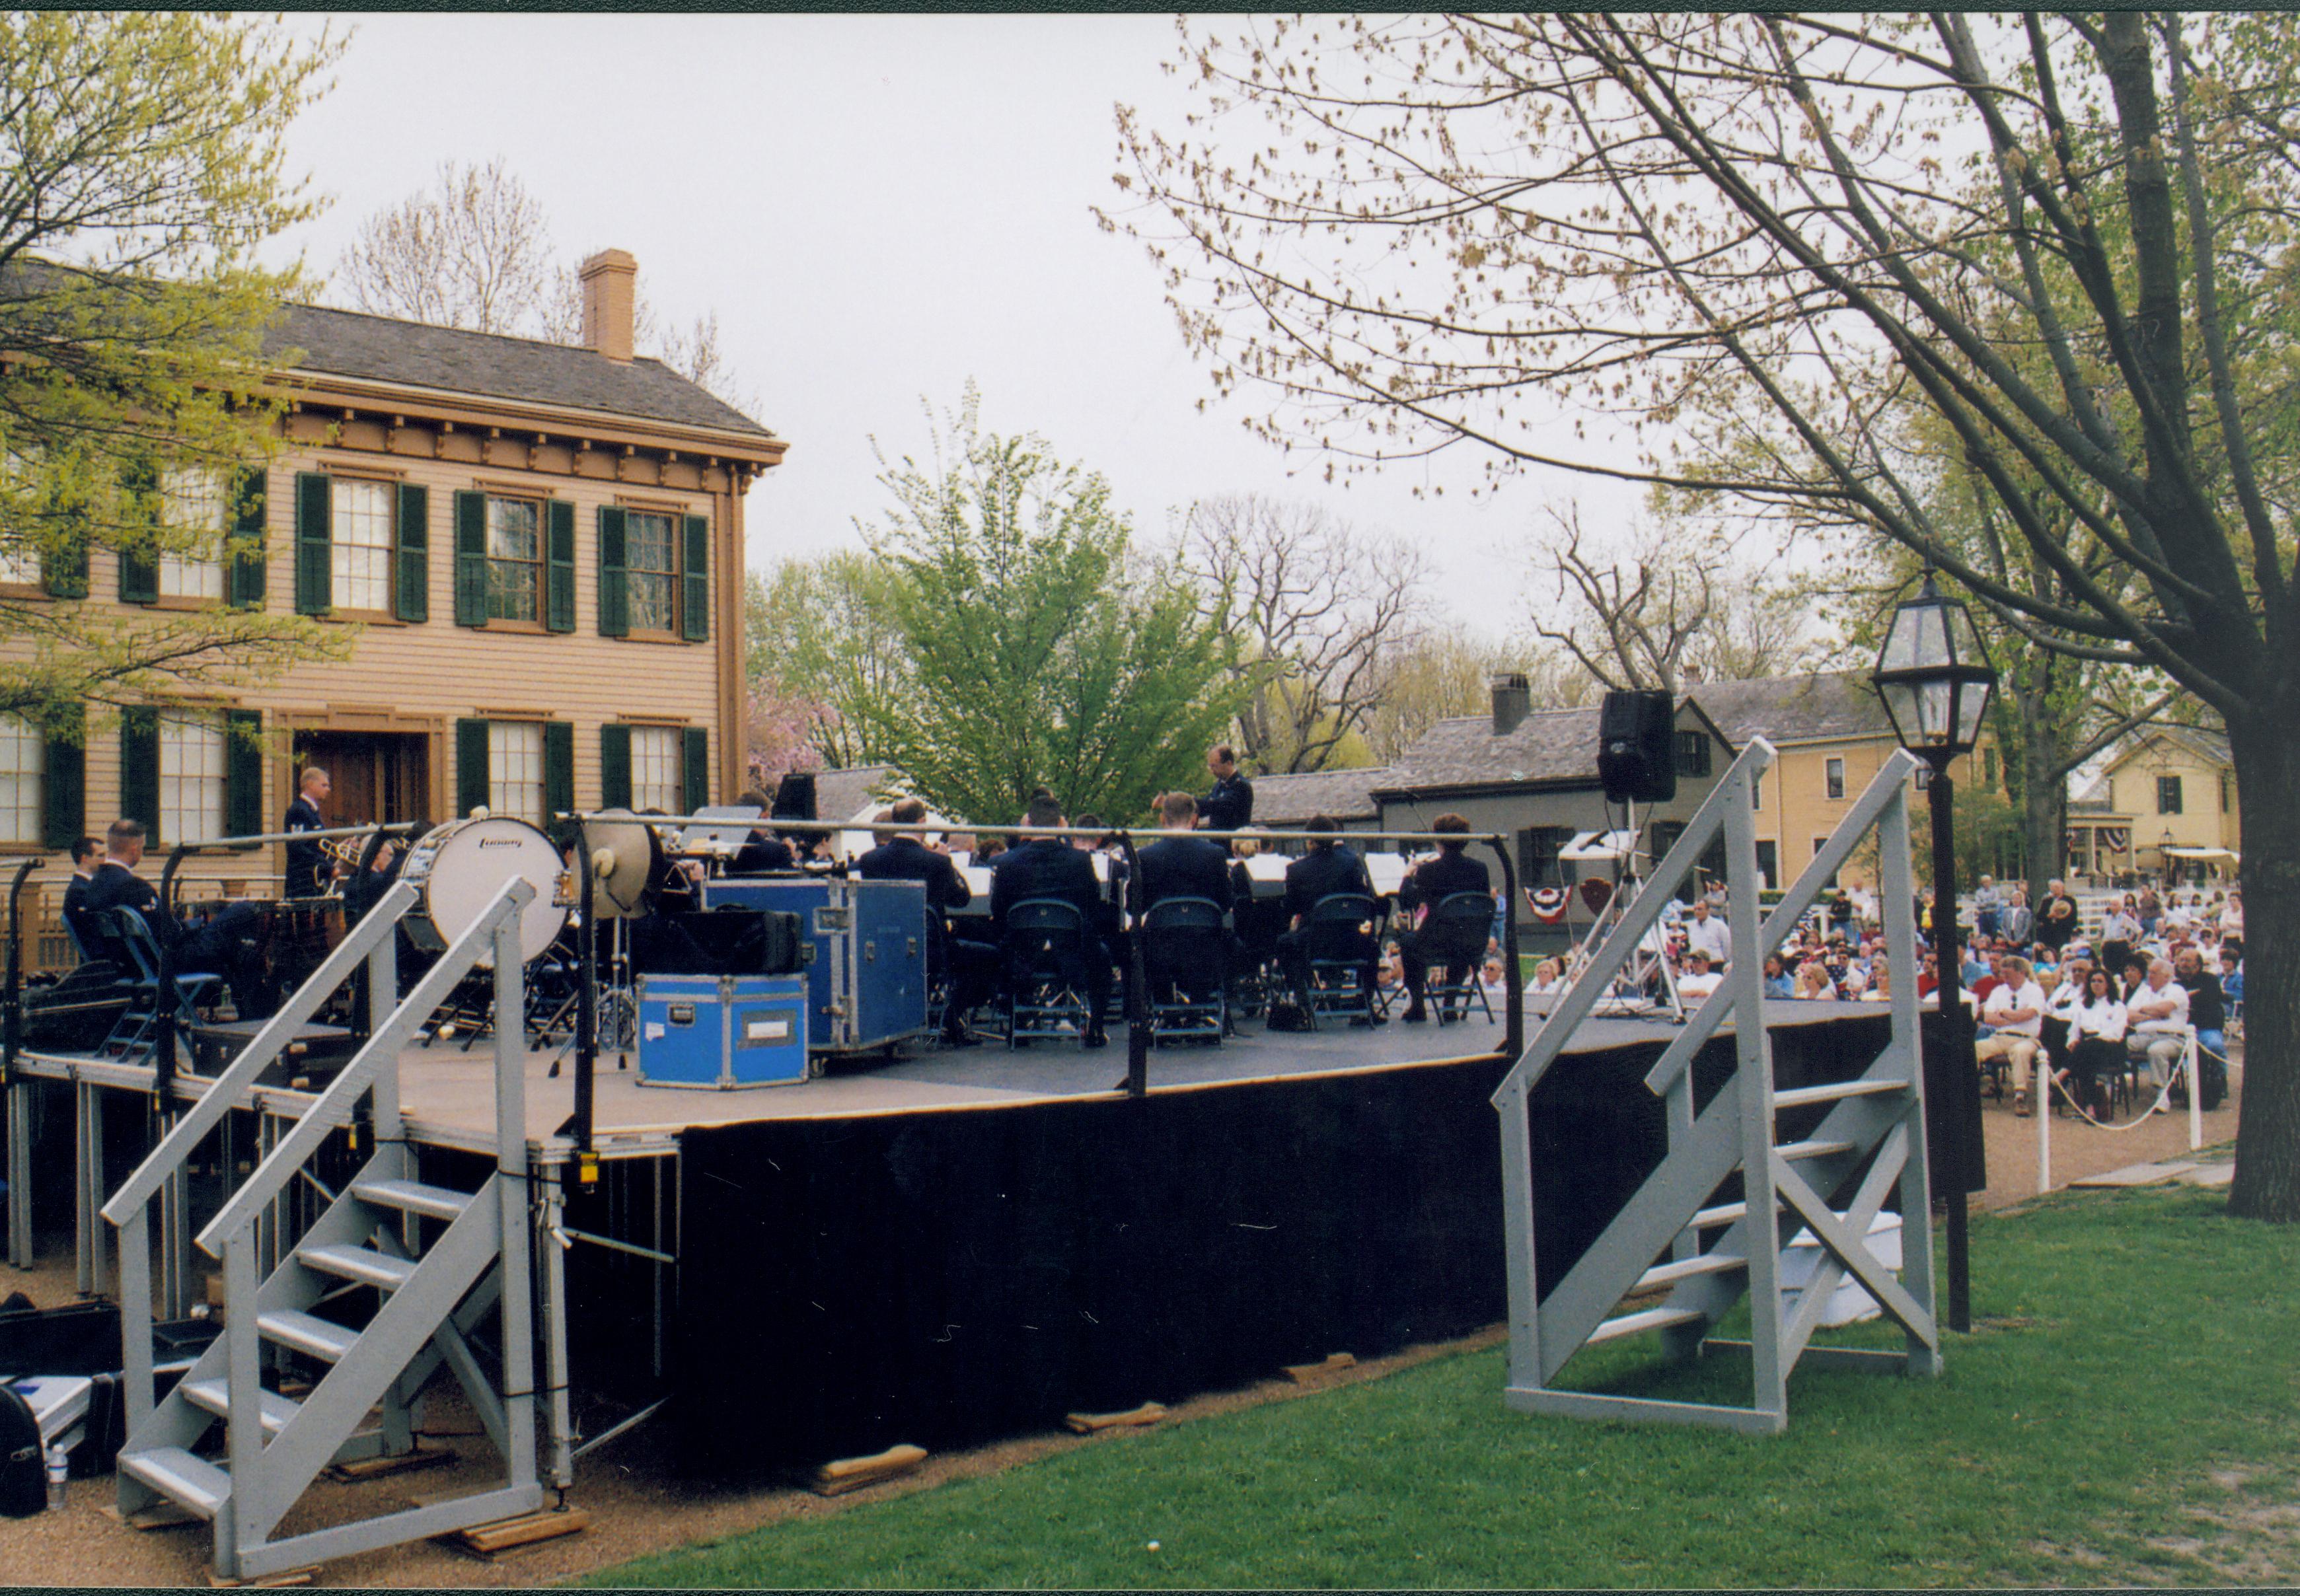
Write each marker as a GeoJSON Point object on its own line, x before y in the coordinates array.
{"type": "Point", "coordinates": [376, 775]}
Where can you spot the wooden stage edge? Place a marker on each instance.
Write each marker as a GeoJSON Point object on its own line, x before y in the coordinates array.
{"type": "Point", "coordinates": [447, 1094]}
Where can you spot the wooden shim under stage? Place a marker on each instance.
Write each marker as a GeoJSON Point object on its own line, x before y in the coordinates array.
{"type": "Point", "coordinates": [1311, 1374]}
{"type": "Point", "coordinates": [1088, 1424]}
{"type": "Point", "coordinates": [292, 1577]}
{"type": "Point", "coordinates": [852, 1474]}
{"type": "Point", "coordinates": [506, 1534]}
{"type": "Point", "coordinates": [375, 1469]}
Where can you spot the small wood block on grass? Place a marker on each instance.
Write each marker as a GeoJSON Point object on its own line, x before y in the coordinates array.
{"type": "Point", "coordinates": [1313, 1374]}
{"type": "Point", "coordinates": [487, 1540]}
{"type": "Point", "coordinates": [852, 1474]}
{"type": "Point", "coordinates": [159, 1516]}
{"type": "Point", "coordinates": [292, 1577]}
{"type": "Point", "coordinates": [376, 1468]}
{"type": "Point", "coordinates": [1088, 1423]}
{"type": "Point", "coordinates": [2135, 1175]}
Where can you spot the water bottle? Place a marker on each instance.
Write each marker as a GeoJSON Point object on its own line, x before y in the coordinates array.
{"type": "Point", "coordinates": [59, 1470]}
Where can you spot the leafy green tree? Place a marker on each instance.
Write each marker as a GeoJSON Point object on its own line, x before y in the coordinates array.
{"type": "Point", "coordinates": [1045, 650]}
{"type": "Point", "coordinates": [822, 633]}
{"type": "Point", "coordinates": [141, 169]}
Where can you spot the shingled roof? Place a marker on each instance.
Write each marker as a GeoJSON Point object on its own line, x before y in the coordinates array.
{"type": "Point", "coordinates": [2205, 744]}
{"type": "Point", "coordinates": [1547, 745]}
{"type": "Point", "coordinates": [380, 349]}
{"type": "Point", "coordinates": [1344, 794]}
{"type": "Point", "coordinates": [841, 794]}
{"type": "Point", "coordinates": [1816, 707]}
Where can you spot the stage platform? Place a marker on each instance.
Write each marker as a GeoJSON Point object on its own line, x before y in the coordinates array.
{"type": "Point", "coordinates": [447, 1093]}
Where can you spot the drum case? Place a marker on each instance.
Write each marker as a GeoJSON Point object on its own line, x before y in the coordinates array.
{"type": "Point", "coordinates": [723, 1032]}
{"type": "Point", "coordinates": [867, 987]}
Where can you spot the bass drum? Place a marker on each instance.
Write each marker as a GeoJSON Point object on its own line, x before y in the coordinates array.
{"type": "Point", "coordinates": [456, 870]}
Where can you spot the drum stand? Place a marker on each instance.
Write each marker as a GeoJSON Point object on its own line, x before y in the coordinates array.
{"type": "Point", "coordinates": [1646, 973]}
{"type": "Point", "coordinates": [619, 1009]}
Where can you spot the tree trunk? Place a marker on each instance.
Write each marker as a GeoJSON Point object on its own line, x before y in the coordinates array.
{"type": "Point", "coordinates": [2267, 1185]}
{"type": "Point", "coordinates": [2044, 795]}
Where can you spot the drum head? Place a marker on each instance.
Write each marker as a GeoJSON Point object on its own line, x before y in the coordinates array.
{"type": "Point", "coordinates": [461, 867]}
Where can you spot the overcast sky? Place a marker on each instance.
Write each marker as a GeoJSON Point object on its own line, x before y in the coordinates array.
{"type": "Point", "coordinates": [879, 209]}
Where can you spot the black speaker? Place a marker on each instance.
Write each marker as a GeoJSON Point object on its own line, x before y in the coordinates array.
{"type": "Point", "coordinates": [1637, 751]}
{"type": "Point", "coordinates": [794, 797]}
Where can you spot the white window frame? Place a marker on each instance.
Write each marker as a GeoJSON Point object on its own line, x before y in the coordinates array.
{"type": "Point", "coordinates": [360, 514]}
{"type": "Point", "coordinates": [193, 760]}
{"type": "Point", "coordinates": [23, 777]}
{"type": "Point", "coordinates": [1832, 778]}
{"type": "Point", "coordinates": [540, 564]}
{"type": "Point", "coordinates": [658, 768]}
{"type": "Point", "coordinates": [19, 561]}
{"type": "Point", "coordinates": [672, 579]}
{"type": "Point", "coordinates": [191, 501]}
{"type": "Point", "coordinates": [516, 770]}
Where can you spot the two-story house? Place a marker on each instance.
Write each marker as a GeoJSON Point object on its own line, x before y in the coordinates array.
{"type": "Point", "coordinates": [541, 547]}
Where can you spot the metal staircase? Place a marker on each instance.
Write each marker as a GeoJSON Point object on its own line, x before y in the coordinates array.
{"type": "Point", "coordinates": [1684, 1232]}
{"type": "Point", "coordinates": [434, 1261]}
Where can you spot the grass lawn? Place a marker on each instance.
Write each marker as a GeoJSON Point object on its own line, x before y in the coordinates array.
{"type": "Point", "coordinates": [2124, 1414]}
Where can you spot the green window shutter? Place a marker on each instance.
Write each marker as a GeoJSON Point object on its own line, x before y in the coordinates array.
{"type": "Point", "coordinates": [63, 784]}
{"type": "Point", "coordinates": [139, 568]}
{"type": "Point", "coordinates": [314, 532]}
{"type": "Point", "coordinates": [558, 769]}
{"type": "Point", "coordinates": [470, 560]}
{"type": "Point", "coordinates": [614, 582]}
{"type": "Point", "coordinates": [695, 616]}
{"type": "Point", "coordinates": [243, 772]}
{"type": "Point", "coordinates": [559, 566]}
{"type": "Point", "coordinates": [698, 769]}
{"type": "Point", "coordinates": [251, 513]}
{"type": "Point", "coordinates": [614, 766]}
{"type": "Point", "coordinates": [471, 766]}
{"type": "Point", "coordinates": [139, 769]}
{"type": "Point", "coordinates": [410, 587]}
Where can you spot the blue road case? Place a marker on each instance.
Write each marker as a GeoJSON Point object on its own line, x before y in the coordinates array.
{"type": "Point", "coordinates": [723, 1032]}
{"type": "Point", "coordinates": [867, 987]}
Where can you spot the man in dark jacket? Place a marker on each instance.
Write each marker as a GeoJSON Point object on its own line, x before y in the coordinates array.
{"type": "Point", "coordinates": [87, 855]}
{"type": "Point", "coordinates": [1432, 881]}
{"type": "Point", "coordinates": [763, 850]}
{"type": "Point", "coordinates": [224, 943]}
{"type": "Point", "coordinates": [1048, 866]}
{"type": "Point", "coordinates": [308, 868]}
{"type": "Point", "coordinates": [1189, 867]}
{"type": "Point", "coordinates": [1329, 868]}
{"type": "Point", "coordinates": [972, 967]}
{"type": "Point", "coordinates": [1230, 804]}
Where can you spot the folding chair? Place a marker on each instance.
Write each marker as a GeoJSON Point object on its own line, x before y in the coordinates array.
{"type": "Point", "coordinates": [1186, 955]}
{"type": "Point", "coordinates": [1342, 932]}
{"type": "Point", "coordinates": [1045, 954]}
{"type": "Point", "coordinates": [1453, 939]}
{"type": "Point", "coordinates": [138, 1033]}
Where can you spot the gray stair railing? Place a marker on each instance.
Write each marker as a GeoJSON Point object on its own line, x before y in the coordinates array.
{"type": "Point", "coordinates": [430, 1298]}
{"type": "Point", "coordinates": [1873, 1127]}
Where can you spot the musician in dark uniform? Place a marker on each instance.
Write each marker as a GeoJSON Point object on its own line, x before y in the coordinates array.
{"type": "Point", "coordinates": [1190, 867]}
{"type": "Point", "coordinates": [308, 869]}
{"type": "Point", "coordinates": [973, 966]}
{"type": "Point", "coordinates": [87, 855]}
{"type": "Point", "coordinates": [1432, 882]}
{"type": "Point", "coordinates": [224, 943]}
{"type": "Point", "coordinates": [1046, 867]}
{"type": "Point", "coordinates": [763, 850]}
{"type": "Point", "coordinates": [1230, 804]}
{"type": "Point", "coordinates": [1329, 866]}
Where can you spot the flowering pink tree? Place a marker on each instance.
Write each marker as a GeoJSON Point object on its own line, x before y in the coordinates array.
{"type": "Point", "coordinates": [780, 725]}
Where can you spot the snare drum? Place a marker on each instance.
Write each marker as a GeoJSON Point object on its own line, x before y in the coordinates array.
{"type": "Point", "coordinates": [456, 870]}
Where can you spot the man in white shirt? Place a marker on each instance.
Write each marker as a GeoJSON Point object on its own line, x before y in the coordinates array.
{"type": "Point", "coordinates": [1698, 981]}
{"type": "Point", "coordinates": [2016, 1008]}
{"type": "Point", "coordinates": [1706, 932]}
{"type": "Point", "coordinates": [2157, 1018]}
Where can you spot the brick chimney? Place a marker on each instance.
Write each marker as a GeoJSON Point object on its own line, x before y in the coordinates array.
{"type": "Point", "coordinates": [610, 283]}
{"type": "Point", "coordinates": [1512, 701]}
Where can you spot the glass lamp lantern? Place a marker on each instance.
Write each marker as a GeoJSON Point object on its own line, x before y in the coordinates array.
{"type": "Point", "coordinates": [1933, 675]}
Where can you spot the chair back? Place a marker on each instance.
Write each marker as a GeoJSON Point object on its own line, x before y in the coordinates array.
{"type": "Point", "coordinates": [1459, 927]}
{"type": "Point", "coordinates": [133, 933]}
{"type": "Point", "coordinates": [1335, 928]}
{"type": "Point", "coordinates": [1045, 937]}
{"type": "Point", "coordinates": [1182, 942]}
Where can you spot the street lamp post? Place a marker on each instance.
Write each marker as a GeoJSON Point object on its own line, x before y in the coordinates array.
{"type": "Point", "coordinates": [1936, 681]}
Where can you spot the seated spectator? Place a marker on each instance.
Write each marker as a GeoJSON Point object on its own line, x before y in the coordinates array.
{"type": "Point", "coordinates": [1880, 989]}
{"type": "Point", "coordinates": [2015, 1008]}
{"type": "Point", "coordinates": [2157, 1021]}
{"type": "Point", "coordinates": [1549, 980]}
{"type": "Point", "coordinates": [2096, 1023]}
{"type": "Point", "coordinates": [1698, 980]}
{"type": "Point", "coordinates": [1813, 981]}
{"type": "Point", "coordinates": [2207, 1004]}
{"type": "Point", "coordinates": [1778, 982]}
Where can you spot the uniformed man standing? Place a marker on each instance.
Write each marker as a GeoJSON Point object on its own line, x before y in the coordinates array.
{"type": "Point", "coordinates": [306, 863]}
{"type": "Point", "coordinates": [1230, 805]}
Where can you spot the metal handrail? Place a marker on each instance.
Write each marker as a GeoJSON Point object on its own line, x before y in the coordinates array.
{"type": "Point", "coordinates": [913, 827]}
{"type": "Point", "coordinates": [334, 1106]}
{"type": "Point", "coordinates": [216, 1102]}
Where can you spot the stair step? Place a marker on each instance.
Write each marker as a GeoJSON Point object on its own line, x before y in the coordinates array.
{"type": "Point", "coordinates": [1794, 1150]}
{"type": "Point", "coordinates": [1685, 1268]}
{"type": "Point", "coordinates": [214, 1396]}
{"type": "Point", "coordinates": [413, 1197]}
{"type": "Point", "coordinates": [1723, 1214]}
{"type": "Point", "coordinates": [193, 1484]}
{"type": "Point", "coordinates": [363, 1263]}
{"type": "Point", "coordinates": [1797, 1097]}
{"type": "Point", "coordinates": [307, 1333]}
{"type": "Point", "coordinates": [1652, 1318]}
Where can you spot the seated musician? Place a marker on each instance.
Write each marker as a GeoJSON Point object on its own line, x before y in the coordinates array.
{"type": "Point", "coordinates": [363, 888]}
{"type": "Point", "coordinates": [763, 850]}
{"type": "Point", "coordinates": [87, 855]}
{"type": "Point", "coordinates": [309, 868]}
{"type": "Point", "coordinates": [1329, 866]}
{"type": "Point", "coordinates": [1432, 882]}
{"type": "Point", "coordinates": [225, 944]}
{"type": "Point", "coordinates": [1046, 867]}
{"type": "Point", "coordinates": [972, 967]}
{"type": "Point", "coordinates": [1190, 867]}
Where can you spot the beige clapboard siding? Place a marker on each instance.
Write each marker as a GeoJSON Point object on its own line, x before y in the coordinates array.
{"type": "Point", "coordinates": [437, 672]}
